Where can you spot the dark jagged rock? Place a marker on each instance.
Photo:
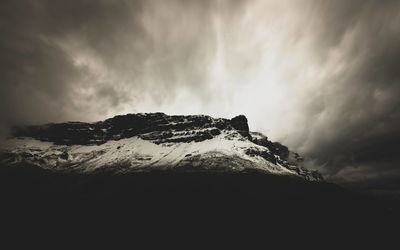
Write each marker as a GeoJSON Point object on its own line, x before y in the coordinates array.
{"type": "Point", "coordinates": [240, 124]}
{"type": "Point", "coordinates": [264, 154]}
{"type": "Point", "coordinates": [275, 147]}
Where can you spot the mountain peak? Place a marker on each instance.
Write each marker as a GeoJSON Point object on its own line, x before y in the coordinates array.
{"type": "Point", "coordinates": [152, 141]}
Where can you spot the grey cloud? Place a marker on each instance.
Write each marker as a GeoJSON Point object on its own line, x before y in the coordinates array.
{"type": "Point", "coordinates": [354, 119]}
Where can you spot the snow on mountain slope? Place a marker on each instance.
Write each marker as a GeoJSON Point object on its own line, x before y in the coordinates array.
{"type": "Point", "coordinates": [146, 142]}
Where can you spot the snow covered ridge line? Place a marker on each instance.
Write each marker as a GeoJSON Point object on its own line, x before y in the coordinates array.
{"type": "Point", "coordinates": [147, 142]}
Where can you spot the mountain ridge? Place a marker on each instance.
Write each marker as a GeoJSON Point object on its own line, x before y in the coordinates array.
{"type": "Point", "coordinates": [152, 141]}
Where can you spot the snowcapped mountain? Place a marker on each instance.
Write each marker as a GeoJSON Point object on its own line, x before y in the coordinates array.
{"type": "Point", "coordinates": [152, 141]}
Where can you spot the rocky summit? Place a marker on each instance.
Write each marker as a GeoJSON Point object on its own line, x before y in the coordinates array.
{"type": "Point", "coordinates": [152, 142]}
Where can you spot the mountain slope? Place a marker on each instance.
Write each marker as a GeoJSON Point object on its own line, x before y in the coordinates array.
{"type": "Point", "coordinates": [171, 176]}
{"type": "Point", "coordinates": [148, 142]}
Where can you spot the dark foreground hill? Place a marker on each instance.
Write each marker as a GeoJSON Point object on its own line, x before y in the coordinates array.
{"type": "Point", "coordinates": [49, 205]}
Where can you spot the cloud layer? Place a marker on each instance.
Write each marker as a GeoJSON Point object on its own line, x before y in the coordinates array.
{"type": "Point", "coordinates": [320, 76]}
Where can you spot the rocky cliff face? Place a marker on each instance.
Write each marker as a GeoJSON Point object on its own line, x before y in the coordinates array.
{"type": "Point", "coordinates": [155, 141]}
{"type": "Point", "coordinates": [156, 127]}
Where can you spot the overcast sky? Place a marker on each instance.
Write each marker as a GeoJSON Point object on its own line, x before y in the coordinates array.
{"type": "Point", "coordinates": [322, 77]}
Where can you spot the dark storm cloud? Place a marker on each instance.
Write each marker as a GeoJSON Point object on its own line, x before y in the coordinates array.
{"type": "Point", "coordinates": [353, 122]}
{"type": "Point", "coordinates": [62, 53]}
{"type": "Point", "coordinates": [322, 76]}
{"type": "Point", "coordinates": [39, 77]}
